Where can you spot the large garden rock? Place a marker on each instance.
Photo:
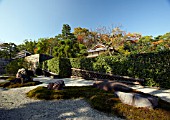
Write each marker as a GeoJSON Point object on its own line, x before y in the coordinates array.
{"type": "Point", "coordinates": [22, 76]}
{"type": "Point", "coordinates": [57, 85]}
{"type": "Point", "coordinates": [21, 72]}
{"type": "Point", "coordinates": [137, 100]}
{"type": "Point", "coordinates": [111, 86]}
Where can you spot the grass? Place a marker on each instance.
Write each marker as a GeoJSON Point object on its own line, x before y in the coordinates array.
{"type": "Point", "coordinates": [104, 101]}
{"type": "Point", "coordinates": [16, 85]}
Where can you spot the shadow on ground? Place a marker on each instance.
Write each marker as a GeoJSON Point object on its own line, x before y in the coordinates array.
{"type": "Point", "coordinates": [67, 81]}
{"type": "Point", "coordinates": [53, 110]}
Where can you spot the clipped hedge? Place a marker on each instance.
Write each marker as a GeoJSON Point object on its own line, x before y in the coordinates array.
{"type": "Point", "coordinates": [153, 67]}
{"type": "Point", "coordinates": [60, 66]}
{"type": "Point", "coordinates": [82, 63]}
{"type": "Point", "coordinates": [110, 64]}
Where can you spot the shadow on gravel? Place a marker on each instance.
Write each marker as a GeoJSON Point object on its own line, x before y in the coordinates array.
{"type": "Point", "coordinates": [50, 110]}
{"type": "Point", "coordinates": [67, 81]}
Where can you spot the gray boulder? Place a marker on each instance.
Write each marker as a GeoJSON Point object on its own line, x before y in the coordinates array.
{"type": "Point", "coordinates": [112, 86]}
{"type": "Point", "coordinates": [137, 100]}
{"type": "Point", "coordinates": [22, 76]}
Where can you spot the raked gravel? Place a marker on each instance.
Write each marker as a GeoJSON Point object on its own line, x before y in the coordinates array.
{"type": "Point", "coordinates": [14, 105]}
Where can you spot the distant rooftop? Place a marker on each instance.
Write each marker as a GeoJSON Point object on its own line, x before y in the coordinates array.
{"type": "Point", "coordinates": [22, 54]}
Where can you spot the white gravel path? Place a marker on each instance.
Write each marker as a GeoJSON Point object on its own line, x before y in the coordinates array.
{"type": "Point", "coordinates": [14, 105]}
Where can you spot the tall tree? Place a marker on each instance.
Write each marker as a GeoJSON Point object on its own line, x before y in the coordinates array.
{"type": "Point", "coordinates": [85, 37]}
{"type": "Point", "coordinates": [69, 49]}
{"type": "Point", "coordinates": [66, 30]}
{"type": "Point", "coordinates": [66, 33]}
{"type": "Point", "coordinates": [9, 51]}
{"type": "Point", "coordinates": [43, 46]}
{"type": "Point", "coordinates": [28, 45]}
{"type": "Point", "coordinates": [81, 34]}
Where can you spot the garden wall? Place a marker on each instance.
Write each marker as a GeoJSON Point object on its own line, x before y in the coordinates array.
{"type": "Point", "coordinates": [3, 63]}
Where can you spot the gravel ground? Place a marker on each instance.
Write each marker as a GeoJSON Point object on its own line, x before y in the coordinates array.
{"type": "Point", "coordinates": [164, 94]}
{"type": "Point", "coordinates": [14, 105]}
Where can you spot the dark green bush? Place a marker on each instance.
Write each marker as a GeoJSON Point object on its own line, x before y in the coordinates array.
{"type": "Point", "coordinates": [153, 67]}
{"type": "Point", "coordinates": [53, 65]}
{"type": "Point", "coordinates": [64, 67]}
{"type": "Point", "coordinates": [13, 66]}
{"type": "Point", "coordinates": [60, 66]}
{"type": "Point", "coordinates": [82, 63]}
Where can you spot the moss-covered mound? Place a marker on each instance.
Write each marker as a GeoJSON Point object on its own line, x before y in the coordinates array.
{"type": "Point", "coordinates": [104, 101]}
{"type": "Point", "coordinates": [16, 85]}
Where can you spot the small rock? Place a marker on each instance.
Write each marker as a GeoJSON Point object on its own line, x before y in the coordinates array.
{"type": "Point", "coordinates": [57, 85]}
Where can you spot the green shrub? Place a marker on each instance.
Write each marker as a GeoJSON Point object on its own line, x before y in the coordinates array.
{"type": "Point", "coordinates": [153, 67]}
{"type": "Point", "coordinates": [60, 66]}
{"type": "Point", "coordinates": [82, 63]}
{"type": "Point", "coordinates": [53, 65]}
{"type": "Point", "coordinates": [64, 67]}
{"type": "Point", "coordinates": [13, 66]}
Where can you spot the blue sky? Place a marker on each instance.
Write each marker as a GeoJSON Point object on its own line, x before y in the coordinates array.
{"type": "Point", "coordinates": [33, 19]}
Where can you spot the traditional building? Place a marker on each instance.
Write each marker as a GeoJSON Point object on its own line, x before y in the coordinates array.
{"type": "Point", "coordinates": [22, 54]}
{"type": "Point", "coordinates": [97, 50]}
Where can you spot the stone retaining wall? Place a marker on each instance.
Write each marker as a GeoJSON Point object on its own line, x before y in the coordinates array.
{"type": "Point", "coordinates": [3, 63]}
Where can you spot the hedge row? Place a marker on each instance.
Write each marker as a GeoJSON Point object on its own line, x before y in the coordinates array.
{"type": "Point", "coordinates": [60, 66]}
{"type": "Point", "coordinates": [82, 63]}
{"type": "Point", "coordinates": [153, 67]}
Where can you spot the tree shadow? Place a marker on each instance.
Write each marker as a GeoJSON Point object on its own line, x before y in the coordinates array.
{"type": "Point", "coordinates": [67, 81]}
{"type": "Point", "coordinates": [52, 110]}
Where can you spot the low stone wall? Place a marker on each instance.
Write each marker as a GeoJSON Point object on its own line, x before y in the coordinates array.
{"type": "Point", "coordinates": [96, 75]}
{"type": "Point", "coordinates": [33, 60]}
{"type": "Point", "coordinates": [3, 63]}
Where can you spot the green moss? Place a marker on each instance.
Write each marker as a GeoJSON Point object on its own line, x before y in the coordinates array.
{"type": "Point", "coordinates": [11, 78]}
{"type": "Point", "coordinates": [104, 101]}
{"type": "Point", "coordinates": [4, 84]}
{"type": "Point", "coordinates": [16, 85]}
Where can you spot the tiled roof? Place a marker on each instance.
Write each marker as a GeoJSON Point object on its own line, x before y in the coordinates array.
{"type": "Point", "coordinates": [22, 54]}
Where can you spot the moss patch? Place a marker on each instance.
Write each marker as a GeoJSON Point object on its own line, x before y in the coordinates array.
{"type": "Point", "coordinates": [104, 101]}
{"type": "Point", "coordinates": [11, 78]}
{"type": "Point", "coordinates": [16, 85]}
